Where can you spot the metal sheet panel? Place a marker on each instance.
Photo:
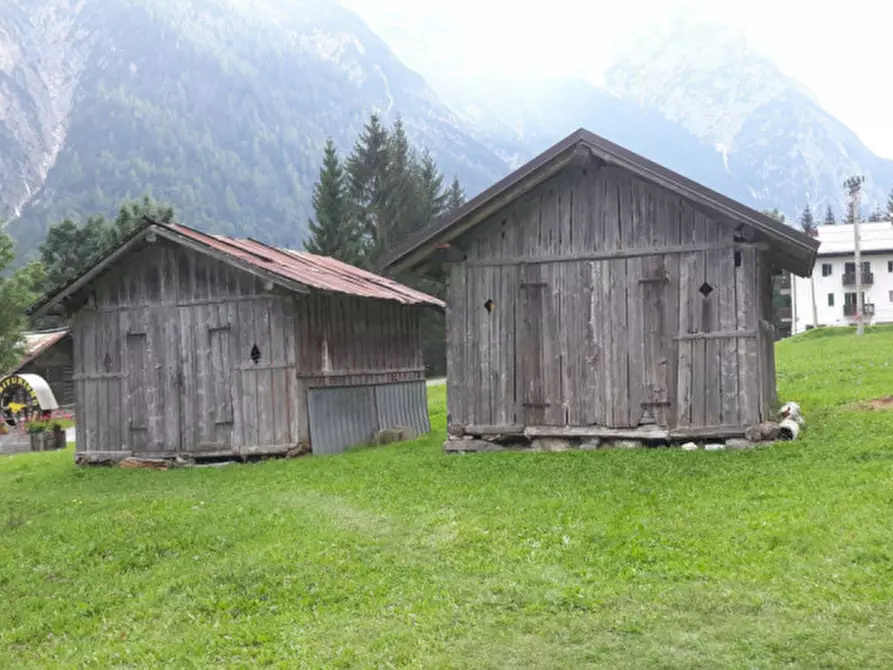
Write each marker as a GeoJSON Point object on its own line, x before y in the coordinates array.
{"type": "Point", "coordinates": [403, 405]}
{"type": "Point", "coordinates": [345, 416]}
{"type": "Point", "coordinates": [341, 417]}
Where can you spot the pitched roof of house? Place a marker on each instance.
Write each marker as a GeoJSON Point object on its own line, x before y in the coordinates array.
{"type": "Point", "coordinates": [792, 249]}
{"type": "Point", "coordinates": [37, 342]}
{"type": "Point", "coordinates": [838, 240]}
{"type": "Point", "coordinates": [299, 271]}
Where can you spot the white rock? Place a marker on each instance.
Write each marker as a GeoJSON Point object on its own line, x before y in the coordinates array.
{"type": "Point", "coordinates": [591, 444]}
{"type": "Point", "coordinates": [714, 447]}
{"type": "Point", "coordinates": [689, 446]}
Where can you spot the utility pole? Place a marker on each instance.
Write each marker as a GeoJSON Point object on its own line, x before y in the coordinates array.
{"type": "Point", "coordinates": [854, 186]}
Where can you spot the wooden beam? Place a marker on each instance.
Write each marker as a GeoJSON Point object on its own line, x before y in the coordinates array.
{"type": "Point", "coordinates": [641, 433]}
{"type": "Point", "coordinates": [357, 373]}
{"type": "Point", "coordinates": [731, 334]}
{"type": "Point", "coordinates": [494, 430]}
{"type": "Point", "coordinates": [617, 254]}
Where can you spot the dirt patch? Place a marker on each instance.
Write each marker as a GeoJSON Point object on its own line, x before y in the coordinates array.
{"type": "Point", "coordinates": [877, 404]}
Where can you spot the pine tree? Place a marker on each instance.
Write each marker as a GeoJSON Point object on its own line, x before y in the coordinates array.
{"type": "Point", "coordinates": [890, 205]}
{"type": "Point", "coordinates": [366, 177]}
{"type": "Point", "coordinates": [433, 198]}
{"type": "Point", "coordinates": [400, 198]}
{"type": "Point", "coordinates": [829, 217]}
{"type": "Point", "coordinates": [333, 233]}
{"type": "Point", "coordinates": [455, 196]}
{"type": "Point", "coordinates": [807, 222]}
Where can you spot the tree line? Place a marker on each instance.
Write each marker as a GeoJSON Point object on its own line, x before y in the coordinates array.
{"type": "Point", "coordinates": [809, 223]}
{"type": "Point", "coordinates": [377, 195]}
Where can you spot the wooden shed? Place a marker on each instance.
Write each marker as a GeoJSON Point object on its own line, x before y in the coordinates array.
{"type": "Point", "coordinates": [207, 346]}
{"type": "Point", "coordinates": [50, 354]}
{"type": "Point", "coordinates": [595, 293]}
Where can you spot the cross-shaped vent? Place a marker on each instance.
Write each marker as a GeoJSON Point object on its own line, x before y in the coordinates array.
{"type": "Point", "coordinates": [706, 289]}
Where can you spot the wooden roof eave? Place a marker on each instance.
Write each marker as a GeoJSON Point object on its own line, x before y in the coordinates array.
{"type": "Point", "coordinates": [796, 252]}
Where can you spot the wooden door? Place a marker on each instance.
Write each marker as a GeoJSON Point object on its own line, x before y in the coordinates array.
{"type": "Point", "coordinates": [538, 356]}
{"type": "Point", "coordinates": [154, 380]}
{"type": "Point", "coordinates": [658, 329]}
{"type": "Point", "coordinates": [206, 391]}
{"type": "Point", "coordinates": [529, 361]}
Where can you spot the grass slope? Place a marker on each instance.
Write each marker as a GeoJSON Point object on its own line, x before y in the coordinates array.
{"type": "Point", "coordinates": [405, 557]}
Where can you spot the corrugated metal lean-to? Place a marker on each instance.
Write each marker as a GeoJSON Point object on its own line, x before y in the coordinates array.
{"type": "Point", "coordinates": [343, 417]}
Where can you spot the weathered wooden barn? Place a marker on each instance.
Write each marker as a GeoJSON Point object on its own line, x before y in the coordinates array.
{"type": "Point", "coordinates": [207, 346]}
{"type": "Point", "coordinates": [595, 293]}
{"type": "Point", "coordinates": [50, 355]}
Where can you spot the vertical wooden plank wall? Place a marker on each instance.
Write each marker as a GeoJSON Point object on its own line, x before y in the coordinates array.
{"type": "Point", "coordinates": [163, 360]}
{"type": "Point", "coordinates": [613, 341]}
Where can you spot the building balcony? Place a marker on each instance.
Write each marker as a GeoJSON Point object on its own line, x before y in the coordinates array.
{"type": "Point", "coordinates": [852, 309]}
{"type": "Point", "coordinates": [849, 278]}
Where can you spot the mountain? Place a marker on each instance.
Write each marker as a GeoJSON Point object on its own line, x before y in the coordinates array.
{"type": "Point", "coordinates": [698, 99]}
{"type": "Point", "coordinates": [220, 107]}
{"type": "Point", "coordinates": [771, 133]}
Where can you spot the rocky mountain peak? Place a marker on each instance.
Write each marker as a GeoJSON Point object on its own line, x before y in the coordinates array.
{"type": "Point", "coordinates": [705, 77]}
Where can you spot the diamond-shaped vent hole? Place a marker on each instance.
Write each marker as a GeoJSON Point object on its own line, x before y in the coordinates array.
{"type": "Point", "coordinates": [107, 363]}
{"type": "Point", "coordinates": [706, 289]}
{"type": "Point", "coordinates": [255, 354]}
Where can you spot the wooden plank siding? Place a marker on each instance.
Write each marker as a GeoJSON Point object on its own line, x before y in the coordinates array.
{"type": "Point", "coordinates": [163, 356]}
{"type": "Point", "coordinates": [599, 316]}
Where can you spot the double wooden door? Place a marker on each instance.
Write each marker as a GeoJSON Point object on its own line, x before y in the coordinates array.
{"type": "Point", "coordinates": [594, 342]}
{"type": "Point", "coordinates": [178, 379]}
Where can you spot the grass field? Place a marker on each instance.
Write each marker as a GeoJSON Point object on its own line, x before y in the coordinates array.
{"type": "Point", "coordinates": [405, 557]}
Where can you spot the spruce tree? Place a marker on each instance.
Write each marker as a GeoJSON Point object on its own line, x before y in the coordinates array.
{"type": "Point", "coordinates": [455, 196]}
{"type": "Point", "coordinates": [400, 197]}
{"type": "Point", "coordinates": [890, 205]}
{"type": "Point", "coordinates": [332, 234]}
{"type": "Point", "coordinates": [829, 217]}
{"type": "Point", "coordinates": [807, 222]}
{"type": "Point", "coordinates": [366, 178]}
{"type": "Point", "coordinates": [433, 198]}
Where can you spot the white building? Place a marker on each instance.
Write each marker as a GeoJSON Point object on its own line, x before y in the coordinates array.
{"type": "Point", "coordinates": [834, 278]}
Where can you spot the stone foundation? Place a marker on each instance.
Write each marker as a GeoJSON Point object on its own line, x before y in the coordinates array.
{"type": "Point", "coordinates": [474, 444]}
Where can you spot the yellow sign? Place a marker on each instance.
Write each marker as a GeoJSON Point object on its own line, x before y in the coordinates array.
{"type": "Point", "coordinates": [18, 399]}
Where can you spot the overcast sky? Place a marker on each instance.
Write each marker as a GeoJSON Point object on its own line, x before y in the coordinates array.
{"type": "Point", "coordinates": [842, 51]}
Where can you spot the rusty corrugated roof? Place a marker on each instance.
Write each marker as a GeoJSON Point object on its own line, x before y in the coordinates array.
{"type": "Point", "coordinates": [316, 272]}
{"type": "Point", "coordinates": [36, 342]}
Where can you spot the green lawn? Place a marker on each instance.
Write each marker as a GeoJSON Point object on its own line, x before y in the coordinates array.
{"type": "Point", "coordinates": [405, 557]}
